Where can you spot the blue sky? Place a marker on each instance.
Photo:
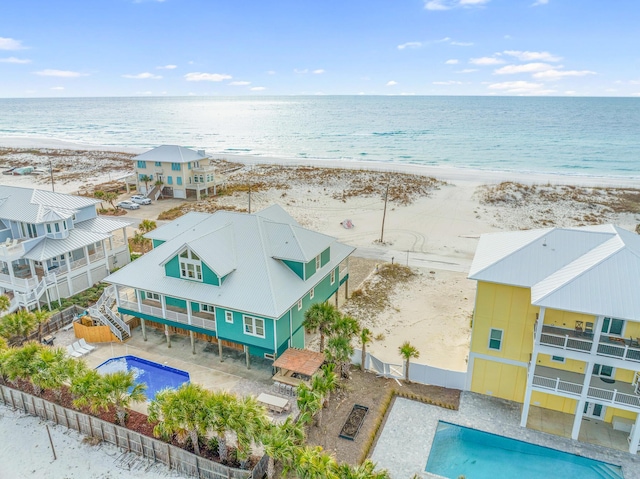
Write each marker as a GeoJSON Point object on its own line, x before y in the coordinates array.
{"type": "Point", "coordinates": [75, 48]}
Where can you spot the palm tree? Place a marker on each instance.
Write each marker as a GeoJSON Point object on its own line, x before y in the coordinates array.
{"type": "Point", "coordinates": [282, 443]}
{"type": "Point", "coordinates": [17, 326]}
{"type": "Point", "coordinates": [365, 337]}
{"type": "Point", "coordinates": [147, 225]}
{"type": "Point", "coordinates": [314, 463]}
{"type": "Point", "coordinates": [21, 365]}
{"type": "Point", "coordinates": [339, 351]}
{"type": "Point", "coordinates": [83, 383]}
{"type": "Point", "coordinates": [52, 369]}
{"type": "Point", "coordinates": [160, 184]}
{"type": "Point", "coordinates": [181, 412]}
{"type": "Point", "coordinates": [407, 351]}
{"type": "Point", "coordinates": [5, 303]}
{"type": "Point", "coordinates": [248, 420]}
{"type": "Point", "coordinates": [366, 470]}
{"type": "Point", "coordinates": [117, 389]}
{"type": "Point", "coordinates": [146, 179]}
{"type": "Point", "coordinates": [219, 409]}
{"type": "Point", "coordinates": [41, 317]}
{"type": "Point", "coordinates": [308, 403]}
{"type": "Point", "coordinates": [320, 317]}
{"type": "Point", "coordinates": [5, 357]}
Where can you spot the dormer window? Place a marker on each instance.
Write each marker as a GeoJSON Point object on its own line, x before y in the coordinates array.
{"type": "Point", "coordinates": [190, 266]}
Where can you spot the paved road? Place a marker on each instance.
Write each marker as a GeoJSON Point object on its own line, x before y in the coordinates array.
{"type": "Point", "coordinates": [414, 259]}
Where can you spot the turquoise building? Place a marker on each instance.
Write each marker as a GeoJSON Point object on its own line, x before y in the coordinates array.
{"type": "Point", "coordinates": [241, 280]}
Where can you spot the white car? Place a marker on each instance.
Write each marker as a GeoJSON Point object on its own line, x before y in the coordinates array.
{"type": "Point", "coordinates": [141, 200]}
{"type": "Point", "coordinates": [128, 205]}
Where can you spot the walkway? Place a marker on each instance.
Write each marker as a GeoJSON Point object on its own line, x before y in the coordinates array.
{"type": "Point", "coordinates": [418, 421]}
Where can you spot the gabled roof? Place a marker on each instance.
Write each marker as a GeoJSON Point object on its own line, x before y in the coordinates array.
{"type": "Point", "coordinates": [591, 270]}
{"type": "Point", "coordinates": [172, 154]}
{"type": "Point", "coordinates": [294, 243]}
{"type": "Point", "coordinates": [38, 206]}
{"type": "Point", "coordinates": [48, 247]}
{"type": "Point", "coordinates": [228, 242]}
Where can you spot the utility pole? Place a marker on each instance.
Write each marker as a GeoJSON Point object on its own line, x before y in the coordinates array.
{"type": "Point", "coordinates": [384, 214]}
{"type": "Point", "coordinates": [53, 188]}
{"type": "Point", "coordinates": [249, 197]}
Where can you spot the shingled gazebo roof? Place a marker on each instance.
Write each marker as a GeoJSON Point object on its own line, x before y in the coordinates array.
{"type": "Point", "coordinates": [300, 361]}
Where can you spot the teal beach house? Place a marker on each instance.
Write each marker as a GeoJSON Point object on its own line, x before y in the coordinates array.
{"type": "Point", "coordinates": [241, 280]}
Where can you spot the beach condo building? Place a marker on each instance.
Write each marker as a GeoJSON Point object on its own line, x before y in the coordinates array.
{"type": "Point", "coordinates": [557, 323]}
{"type": "Point", "coordinates": [54, 245]}
{"type": "Point", "coordinates": [243, 281]}
{"type": "Point", "coordinates": [176, 172]}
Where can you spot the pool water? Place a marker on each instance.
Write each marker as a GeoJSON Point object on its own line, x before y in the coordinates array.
{"type": "Point", "coordinates": [155, 376]}
{"type": "Point", "coordinates": [460, 451]}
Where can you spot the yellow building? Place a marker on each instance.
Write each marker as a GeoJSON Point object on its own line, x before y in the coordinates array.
{"type": "Point", "coordinates": [557, 323]}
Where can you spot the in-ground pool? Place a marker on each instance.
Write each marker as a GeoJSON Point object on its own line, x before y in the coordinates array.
{"type": "Point", "coordinates": [460, 451]}
{"type": "Point", "coordinates": [155, 376]}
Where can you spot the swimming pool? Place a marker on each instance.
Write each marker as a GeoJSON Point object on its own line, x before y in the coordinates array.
{"type": "Point", "coordinates": [458, 450]}
{"type": "Point", "coordinates": [155, 376]}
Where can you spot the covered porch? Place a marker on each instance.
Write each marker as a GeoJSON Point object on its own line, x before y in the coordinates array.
{"type": "Point", "coordinates": [296, 366]}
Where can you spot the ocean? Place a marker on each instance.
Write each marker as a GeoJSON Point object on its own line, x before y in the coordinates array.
{"type": "Point", "coordinates": [570, 136]}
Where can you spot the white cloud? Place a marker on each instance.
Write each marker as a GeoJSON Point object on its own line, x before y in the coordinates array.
{"type": "Point", "coordinates": [410, 45]}
{"type": "Point", "coordinates": [524, 68]}
{"type": "Point", "coordinates": [301, 72]}
{"type": "Point", "coordinates": [197, 76]}
{"type": "Point", "coordinates": [240, 83]}
{"type": "Point", "coordinates": [533, 56]}
{"type": "Point", "coordinates": [556, 74]}
{"type": "Point", "coordinates": [486, 61]}
{"type": "Point", "coordinates": [570, 92]}
{"type": "Point", "coordinates": [167, 67]}
{"type": "Point", "coordinates": [453, 61]}
{"type": "Point", "coordinates": [14, 60]}
{"type": "Point", "coordinates": [10, 44]}
{"type": "Point", "coordinates": [521, 88]}
{"type": "Point", "coordinates": [271, 72]}
{"type": "Point", "coordinates": [467, 70]}
{"type": "Point", "coordinates": [537, 3]}
{"type": "Point", "coordinates": [449, 4]}
{"type": "Point", "coordinates": [462, 44]}
{"type": "Point", "coordinates": [258, 88]}
{"type": "Point", "coordinates": [60, 73]}
{"type": "Point", "coordinates": [143, 76]}
{"type": "Point", "coordinates": [319, 71]}
{"type": "Point", "coordinates": [448, 82]}
{"type": "Point", "coordinates": [442, 40]}
{"type": "Point", "coordinates": [392, 83]}
{"type": "Point", "coordinates": [57, 88]}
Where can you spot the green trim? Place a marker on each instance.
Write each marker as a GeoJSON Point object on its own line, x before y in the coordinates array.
{"type": "Point", "coordinates": [155, 319]}
{"type": "Point", "coordinates": [346, 277]}
{"type": "Point", "coordinates": [296, 267]}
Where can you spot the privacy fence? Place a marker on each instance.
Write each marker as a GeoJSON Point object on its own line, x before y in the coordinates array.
{"type": "Point", "coordinates": [418, 373]}
{"type": "Point", "coordinates": [174, 457]}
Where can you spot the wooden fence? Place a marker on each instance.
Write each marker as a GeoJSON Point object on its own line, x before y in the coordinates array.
{"type": "Point", "coordinates": [57, 321]}
{"type": "Point", "coordinates": [174, 457]}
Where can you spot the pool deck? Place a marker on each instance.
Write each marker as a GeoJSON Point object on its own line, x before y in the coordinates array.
{"type": "Point", "coordinates": [404, 444]}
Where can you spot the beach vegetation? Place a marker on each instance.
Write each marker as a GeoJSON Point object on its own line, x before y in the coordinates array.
{"type": "Point", "coordinates": [321, 317]}
{"type": "Point", "coordinates": [108, 196]}
{"type": "Point", "coordinates": [5, 303]}
{"type": "Point", "coordinates": [146, 179]}
{"type": "Point", "coordinates": [16, 327]}
{"type": "Point", "coordinates": [281, 444]}
{"type": "Point", "coordinates": [365, 337]}
{"type": "Point", "coordinates": [408, 352]}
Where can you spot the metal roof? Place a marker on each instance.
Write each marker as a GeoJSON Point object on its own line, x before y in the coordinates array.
{"type": "Point", "coordinates": [294, 243]}
{"type": "Point", "coordinates": [49, 247]}
{"type": "Point", "coordinates": [177, 226]}
{"type": "Point", "coordinates": [259, 283]}
{"type": "Point", "coordinates": [100, 224]}
{"type": "Point", "coordinates": [172, 154]}
{"type": "Point", "coordinates": [590, 270]}
{"type": "Point", "coordinates": [37, 206]}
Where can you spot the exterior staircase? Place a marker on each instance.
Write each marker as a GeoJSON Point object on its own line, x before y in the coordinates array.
{"type": "Point", "coordinates": [103, 312]}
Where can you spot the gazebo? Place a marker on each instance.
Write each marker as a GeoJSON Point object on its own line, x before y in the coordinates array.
{"type": "Point", "coordinates": [297, 365]}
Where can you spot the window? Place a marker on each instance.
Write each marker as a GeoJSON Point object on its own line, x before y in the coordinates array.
{"type": "Point", "coordinates": [142, 164]}
{"type": "Point", "coordinates": [228, 317]}
{"type": "Point", "coordinates": [48, 227]}
{"type": "Point", "coordinates": [603, 371]}
{"type": "Point", "coordinates": [612, 326]}
{"type": "Point", "coordinates": [207, 308]}
{"type": "Point", "coordinates": [201, 179]}
{"type": "Point", "coordinates": [190, 265]}
{"type": "Point", "coordinates": [299, 304]}
{"type": "Point", "coordinates": [57, 225]}
{"type": "Point", "coordinates": [557, 359]}
{"type": "Point", "coordinates": [254, 326]}
{"type": "Point", "coordinates": [152, 295]}
{"type": "Point", "coordinates": [158, 163]}
{"type": "Point", "coordinates": [169, 180]}
{"type": "Point", "coordinates": [179, 180]}
{"type": "Point", "coordinates": [317, 262]}
{"type": "Point", "coordinates": [269, 356]}
{"type": "Point", "coordinates": [312, 293]}
{"type": "Point", "coordinates": [495, 339]}
{"type": "Point", "coordinates": [333, 276]}
{"type": "Point", "coordinates": [196, 164]}
{"type": "Point", "coordinates": [189, 180]}
{"type": "Point", "coordinates": [189, 165]}
{"type": "Point", "coordinates": [175, 166]}
{"type": "Point", "coordinates": [195, 178]}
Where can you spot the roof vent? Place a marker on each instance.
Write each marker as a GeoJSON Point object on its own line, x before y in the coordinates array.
{"type": "Point", "coordinates": [201, 153]}
{"type": "Point", "coordinates": [544, 242]}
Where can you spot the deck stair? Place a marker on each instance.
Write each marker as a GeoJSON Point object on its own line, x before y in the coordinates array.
{"type": "Point", "coordinates": [607, 472]}
{"type": "Point", "coordinates": [103, 312]}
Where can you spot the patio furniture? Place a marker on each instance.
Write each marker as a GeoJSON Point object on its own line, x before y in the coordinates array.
{"type": "Point", "coordinates": [48, 340]}
{"type": "Point", "coordinates": [588, 329]}
{"type": "Point", "coordinates": [579, 327]}
{"type": "Point", "coordinates": [273, 403]}
{"type": "Point", "coordinates": [79, 349]}
{"type": "Point", "coordinates": [634, 343]}
{"type": "Point", "coordinates": [71, 352]}
{"type": "Point", "coordinates": [85, 345]}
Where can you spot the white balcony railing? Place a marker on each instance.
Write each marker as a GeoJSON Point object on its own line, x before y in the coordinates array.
{"type": "Point", "coordinates": [170, 315]}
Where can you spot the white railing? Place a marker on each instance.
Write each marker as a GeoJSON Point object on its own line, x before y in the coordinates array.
{"type": "Point", "coordinates": [557, 385]}
{"type": "Point", "coordinates": [109, 317]}
{"type": "Point", "coordinates": [619, 351]}
{"type": "Point", "coordinates": [613, 397]}
{"type": "Point", "coordinates": [96, 313]}
{"type": "Point", "coordinates": [30, 297]}
{"type": "Point", "coordinates": [22, 284]}
{"type": "Point", "coordinates": [170, 315]}
{"type": "Point", "coordinates": [565, 342]}
{"type": "Point", "coordinates": [116, 319]}
{"type": "Point", "coordinates": [96, 256]}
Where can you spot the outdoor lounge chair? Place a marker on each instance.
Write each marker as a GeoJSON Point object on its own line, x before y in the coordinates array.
{"type": "Point", "coordinates": [73, 353]}
{"type": "Point", "coordinates": [85, 345]}
{"type": "Point", "coordinates": [79, 349]}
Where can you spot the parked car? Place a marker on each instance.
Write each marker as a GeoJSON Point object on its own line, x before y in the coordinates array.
{"type": "Point", "coordinates": [128, 205]}
{"type": "Point", "coordinates": [141, 200]}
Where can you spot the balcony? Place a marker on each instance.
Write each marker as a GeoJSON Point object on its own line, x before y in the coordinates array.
{"type": "Point", "coordinates": [601, 390]}
{"type": "Point", "coordinates": [175, 314]}
{"type": "Point", "coordinates": [571, 340]}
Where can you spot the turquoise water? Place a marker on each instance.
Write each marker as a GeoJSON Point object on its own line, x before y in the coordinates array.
{"type": "Point", "coordinates": [583, 136]}
{"type": "Point", "coordinates": [155, 376]}
{"type": "Point", "coordinates": [458, 450]}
